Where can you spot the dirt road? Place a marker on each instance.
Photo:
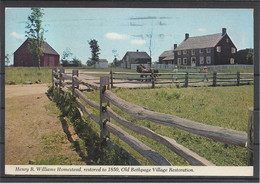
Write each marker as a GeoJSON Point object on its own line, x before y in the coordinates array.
{"type": "Point", "coordinates": [33, 130]}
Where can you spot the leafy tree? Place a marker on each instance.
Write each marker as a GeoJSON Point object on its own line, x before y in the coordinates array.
{"type": "Point", "coordinates": [250, 56]}
{"type": "Point", "coordinates": [90, 63]}
{"type": "Point", "coordinates": [35, 34]}
{"type": "Point", "coordinates": [65, 57]}
{"type": "Point", "coordinates": [116, 62]}
{"type": "Point", "coordinates": [76, 62]}
{"type": "Point", "coordinates": [94, 51]}
{"type": "Point", "coordinates": [7, 59]}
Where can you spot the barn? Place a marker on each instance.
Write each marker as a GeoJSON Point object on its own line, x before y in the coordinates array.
{"type": "Point", "coordinates": [23, 58]}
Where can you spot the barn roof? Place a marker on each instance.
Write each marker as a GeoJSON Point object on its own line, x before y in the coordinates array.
{"type": "Point", "coordinates": [47, 49]}
{"type": "Point", "coordinates": [206, 41]}
{"type": "Point", "coordinates": [138, 54]}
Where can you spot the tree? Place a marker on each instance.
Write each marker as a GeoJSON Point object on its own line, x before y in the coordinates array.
{"type": "Point", "coordinates": [94, 51]}
{"type": "Point", "coordinates": [250, 57]}
{"type": "Point", "coordinates": [65, 57]}
{"type": "Point", "coordinates": [35, 34]}
{"type": "Point", "coordinates": [7, 59]}
{"type": "Point", "coordinates": [76, 62]}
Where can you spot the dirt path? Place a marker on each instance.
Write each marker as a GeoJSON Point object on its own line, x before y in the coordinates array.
{"type": "Point", "coordinates": [33, 130]}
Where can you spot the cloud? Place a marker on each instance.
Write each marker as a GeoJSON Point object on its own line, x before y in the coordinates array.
{"type": "Point", "coordinates": [16, 35]}
{"type": "Point", "coordinates": [202, 29]}
{"type": "Point", "coordinates": [113, 35]}
{"type": "Point", "coordinates": [140, 42]}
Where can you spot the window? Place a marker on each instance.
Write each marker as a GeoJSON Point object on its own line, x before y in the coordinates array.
{"type": "Point", "coordinates": [184, 61]}
{"type": "Point", "coordinates": [179, 61]}
{"type": "Point", "coordinates": [179, 52]}
{"type": "Point", "coordinates": [208, 60]}
{"type": "Point", "coordinates": [201, 51]}
{"type": "Point", "coordinates": [232, 60]}
{"type": "Point", "coordinates": [201, 60]}
{"type": "Point", "coordinates": [184, 52]}
{"type": "Point", "coordinates": [233, 50]}
{"type": "Point", "coordinates": [227, 40]}
{"type": "Point", "coordinates": [219, 49]}
{"type": "Point", "coordinates": [193, 52]}
{"type": "Point", "coordinates": [208, 50]}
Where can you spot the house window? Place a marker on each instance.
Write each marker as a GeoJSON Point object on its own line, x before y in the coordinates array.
{"type": "Point", "coordinates": [201, 51]}
{"type": "Point", "coordinates": [184, 61]}
{"type": "Point", "coordinates": [233, 50]}
{"type": "Point", "coordinates": [179, 61]}
{"type": "Point", "coordinates": [184, 52]}
{"type": "Point", "coordinates": [193, 52]}
{"type": "Point", "coordinates": [232, 60]}
{"type": "Point", "coordinates": [208, 60]}
{"type": "Point", "coordinates": [201, 60]}
{"type": "Point", "coordinates": [179, 52]}
{"type": "Point", "coordinates": [219, 49]}
{"type": "Point", "coordinates": [208, 50]}
{"type": "Point", "coordinates": [227, 40]}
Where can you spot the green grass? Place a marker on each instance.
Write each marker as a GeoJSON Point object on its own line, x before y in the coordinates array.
{"type": "Point", "coordinates": [219, 106]}
{"type": "Point", "coordinates": [21, 75]}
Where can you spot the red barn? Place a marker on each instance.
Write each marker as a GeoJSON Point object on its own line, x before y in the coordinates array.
{"type": "Point", "coordinates": [22, 56]}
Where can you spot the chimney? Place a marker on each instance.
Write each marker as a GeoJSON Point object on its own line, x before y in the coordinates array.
{"type": "Point", "coordinates": [137, 50]}
{"type": "Point", "coordinates": [224, 31]}
{"type": "Point", "coordinates": [175, 46]}
{"type": "Point", "coordinates": [186, 36]}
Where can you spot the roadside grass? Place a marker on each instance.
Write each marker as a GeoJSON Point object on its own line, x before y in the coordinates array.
{"type": "Point", "coordinates": [219, 106]}
{"type": "Point", "coordinates": [95, 151]}
{"type": "Point", "coordinates": [21, 75]}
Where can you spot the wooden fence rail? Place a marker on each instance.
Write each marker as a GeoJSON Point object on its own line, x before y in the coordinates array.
{"type": "Point", "coordinates": [239, 138]}
{"type": "Point", "coordinates": [215, 79]}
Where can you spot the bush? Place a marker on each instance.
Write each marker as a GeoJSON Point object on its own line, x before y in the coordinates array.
{"type": "Point", "coordinates": [98, 153]}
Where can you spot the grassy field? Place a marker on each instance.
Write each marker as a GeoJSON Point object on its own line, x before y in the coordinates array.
{"type": "Point", "coordinates": [219, 106]}
{"type": "Point", "coordinates": [22, 75]}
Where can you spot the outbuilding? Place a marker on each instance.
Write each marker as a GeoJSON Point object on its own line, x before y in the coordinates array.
{"type": "Point", "coordinates": [22, 57]}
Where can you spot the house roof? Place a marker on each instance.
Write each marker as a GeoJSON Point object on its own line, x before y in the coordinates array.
{"type": "Point", "coordinates": [171, 57]}
{"type": "Point", "coordinates": [47, 49]}
{"type": "Point", "coordinates": [206, 41]}
{"type": "Point", "coordinates": [167, 53]}
{"type": "Point", "coordinates": [138, 54]}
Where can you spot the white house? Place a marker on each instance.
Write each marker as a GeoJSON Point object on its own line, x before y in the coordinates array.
{"type": "Point", "coordinates": [102, 63]}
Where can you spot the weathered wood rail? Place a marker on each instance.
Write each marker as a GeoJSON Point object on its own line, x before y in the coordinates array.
{"type": "Point", "coordinates": [229, 136]}
{"type": "Point", "coordinates": [187, 79]}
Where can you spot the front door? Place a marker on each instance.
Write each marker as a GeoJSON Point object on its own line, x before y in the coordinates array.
{"type": "Point", "coordinates": [193, 61]}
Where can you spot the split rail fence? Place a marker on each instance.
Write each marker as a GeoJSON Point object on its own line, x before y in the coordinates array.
{"type": "Point", "coordinates": [185, 79]}
{"type": "Point", "coordinates": [73, 80]}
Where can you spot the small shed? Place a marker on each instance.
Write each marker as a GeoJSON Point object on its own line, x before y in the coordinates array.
{"type": "Point", "coordinates": [23, 58]}
{"type": "Point", "coordinates": [137, 57]}
{"type": "Point", "coordinates": [102, 63]}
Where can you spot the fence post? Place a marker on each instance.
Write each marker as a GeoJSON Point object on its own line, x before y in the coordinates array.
{"type": "Point", "coordinates": [153, 78]}
{"type": "Point", "coordinates": [104, 117]}
{"type": "Point", "coordinates": [111, 78]}
{"type": "Point", "coordinates": [214, 78]}
{"type": "Point", "coordinates": [74, 73]}
{"type": "Point", "coordinates": [60, 79]}
{"type": "Point", "coordinates": [186, 80]}
{"type": "Point", "coordinates": [238, 78]}
{"type": "Point", "coordinates": [54, 76]}
{"type": "Point", "coordinates": [250, 137]}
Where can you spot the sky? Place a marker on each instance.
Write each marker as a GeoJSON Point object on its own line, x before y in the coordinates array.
{"type": "Point", "coordinates": [119, 30]}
